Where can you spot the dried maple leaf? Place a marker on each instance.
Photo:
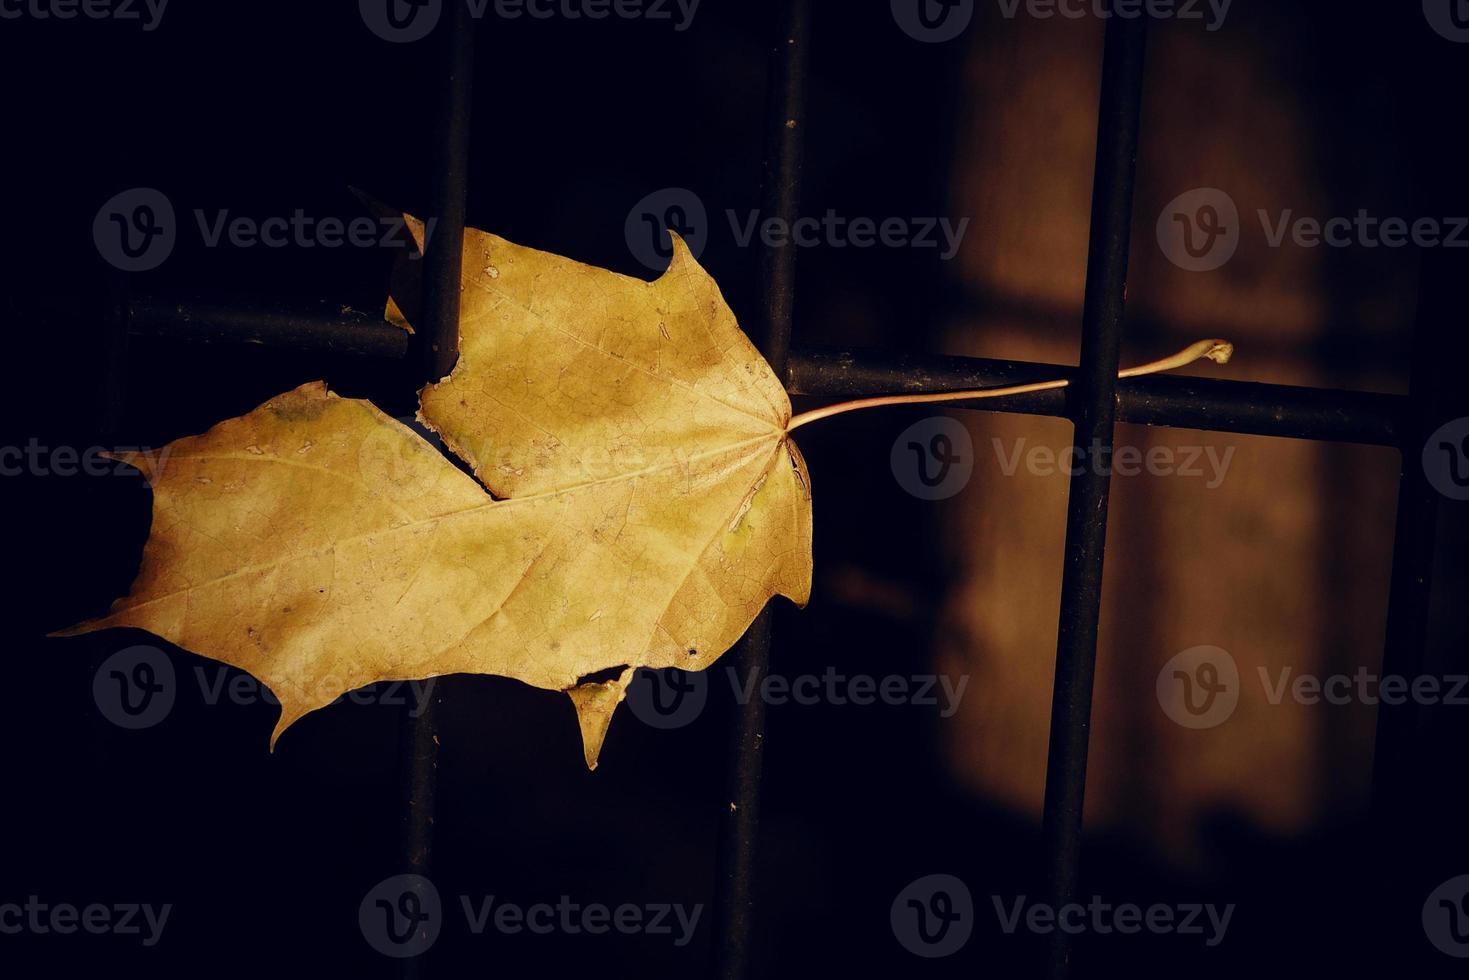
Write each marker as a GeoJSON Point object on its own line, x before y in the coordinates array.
{"type": "Point", "coordinates": [650, 503]}
{"type": "Point", "coordinates": [647, 500]}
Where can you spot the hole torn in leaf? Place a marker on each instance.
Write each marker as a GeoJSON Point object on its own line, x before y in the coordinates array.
{"type": "Point", "coordinates": [601, 676]}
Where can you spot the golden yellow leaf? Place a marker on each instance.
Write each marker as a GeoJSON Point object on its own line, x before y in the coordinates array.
{"type": "Point", "coordinates": [650, 503]}
{"type": "Point", "coordinates": [647, 499]}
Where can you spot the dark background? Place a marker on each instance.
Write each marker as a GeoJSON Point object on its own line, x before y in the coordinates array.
{"type": "Point", "coordinates": [265, 857]}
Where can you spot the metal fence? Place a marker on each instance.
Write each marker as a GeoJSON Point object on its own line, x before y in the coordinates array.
{"type": "Point", "coordinates": [1094, 402]}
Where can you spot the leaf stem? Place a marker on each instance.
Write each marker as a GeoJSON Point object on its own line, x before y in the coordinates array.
{"type": "Point", "coordinates": [1218, 351]}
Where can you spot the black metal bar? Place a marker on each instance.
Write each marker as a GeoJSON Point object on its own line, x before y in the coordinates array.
{"type": "Point", "coordinates": [1437, 396]}
{"type": "Point", "coordinates": [1167, 400]}
{"type": "Point", "coordinates": [1418, 800]}
{"type": "Point", "coordinates": [1086, 519]}
{"type": "Point", "coordinates": [360, 334]}
{"type": "Point", "coordinates": [739, 822]}
{"type": "Point", "coordinates": [1288, 411]}
{"type": "Point", "coordinates": [439, 339]}
{"type": "Point", "coordinates": [443, 254]}
{"type": "Point", "coordinates": [781, 177]}
{"type": "Point", "coordinates": [1412, 562]}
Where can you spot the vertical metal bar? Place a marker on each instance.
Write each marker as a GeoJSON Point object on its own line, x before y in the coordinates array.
{"type": "Point", "coordinates": [443, 254]}
{"type": "Point", "coordinates": [1413, 549]}
{"type": "Point", "coordinates": [450, 190]}
{"type": "Point", "coordinates": [1094, 415]}
{"type": "Point", "coordinates": [740, 821]}
{"type": "Point", "coordinates": [781, 174]}
{"type": "Point", "coordinates": [1437, 394]}
{"type": "Point", "coordinates": [1417, 766]}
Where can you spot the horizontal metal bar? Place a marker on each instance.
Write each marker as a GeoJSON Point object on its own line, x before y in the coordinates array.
{"type": "Point", "coordinates": [349, 333]}
{"type": "Point", "coordinates": [1214, 405]}
{"type": "Point", "coordinates": [1289, 411]}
